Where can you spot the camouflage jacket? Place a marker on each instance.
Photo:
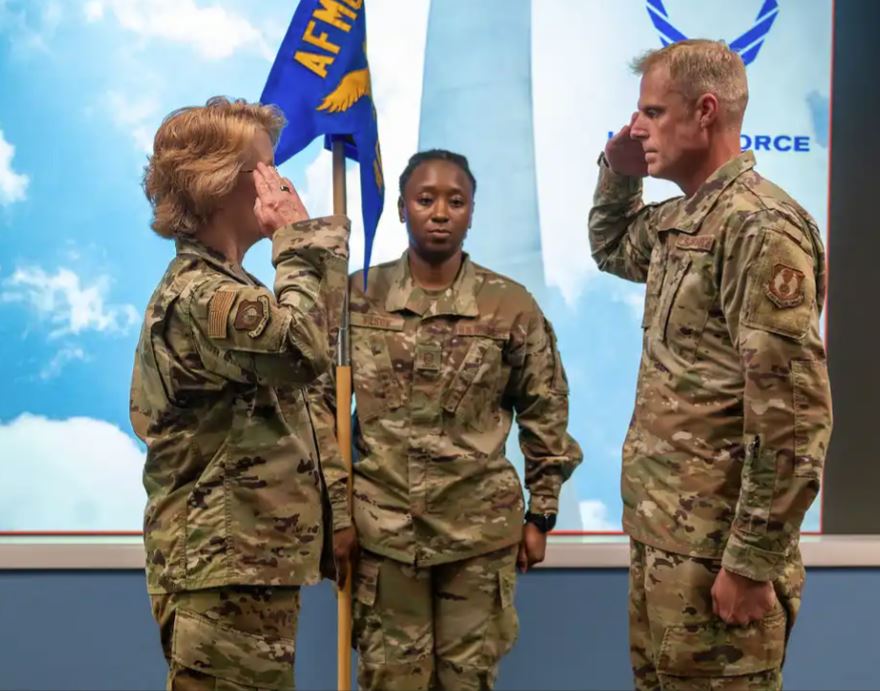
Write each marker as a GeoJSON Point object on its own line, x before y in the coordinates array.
{"type": "Point", "coordinates": [235, 493]}
{"type": "Point", "coordinates": [437, 379]}
{"type": "Point", "coordinates": [732, 418]}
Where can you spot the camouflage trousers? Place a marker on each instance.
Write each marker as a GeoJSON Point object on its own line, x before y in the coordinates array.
{"type": "Point", "coordinates": [678, 644]}
{"type": "Point", "coordinates": [234, 638]}
{"type": "Point", "coordinates": [436, 627]}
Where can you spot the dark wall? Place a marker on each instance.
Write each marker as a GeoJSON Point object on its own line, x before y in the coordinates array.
{"type": "Point", "coordinates": [852, 474]}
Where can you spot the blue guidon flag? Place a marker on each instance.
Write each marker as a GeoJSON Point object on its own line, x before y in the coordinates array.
{"type": "Point", "coordinates": [321, 81]}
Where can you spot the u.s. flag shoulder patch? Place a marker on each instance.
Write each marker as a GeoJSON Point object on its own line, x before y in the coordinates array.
{"type": "Point", "coordinates": [218, 312]}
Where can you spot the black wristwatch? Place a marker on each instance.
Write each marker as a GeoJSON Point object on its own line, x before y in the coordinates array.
{"type": "Point", "coordinates": [544, 522]}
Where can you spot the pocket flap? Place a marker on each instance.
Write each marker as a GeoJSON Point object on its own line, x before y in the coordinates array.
{"type": "Point", "coordinates": [465, 375]}
{"type": "Point", "coordinates": [376, 386]}
{"type": "Point", "coordinates": [714, 649]}
{"type": "Point", "coordinates": [225, 653]}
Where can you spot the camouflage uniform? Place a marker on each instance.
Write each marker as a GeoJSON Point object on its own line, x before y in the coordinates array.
{"type": "Point", "coordinates": [732, 418]}
{"type": "Point", "coordinates": [233, 638]}
{"type": "Point", "coordinates": [438, 508]}
{"type": "Point", "coordinates": [235, 491]}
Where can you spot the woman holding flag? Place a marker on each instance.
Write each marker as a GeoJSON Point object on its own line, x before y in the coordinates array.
{"type": "Point", "coordinates": [443, 353]}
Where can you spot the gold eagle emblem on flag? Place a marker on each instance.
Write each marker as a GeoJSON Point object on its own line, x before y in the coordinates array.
{"type": "Point", "coordinates": [351, 88]}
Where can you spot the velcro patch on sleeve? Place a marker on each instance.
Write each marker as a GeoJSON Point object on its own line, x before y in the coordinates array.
{"type": "Point", "coordinates": [785, 287]}
{"type": "Point", "coordinates": [252, 316]}
{"type": "Point", "coordinates": [218, 312]}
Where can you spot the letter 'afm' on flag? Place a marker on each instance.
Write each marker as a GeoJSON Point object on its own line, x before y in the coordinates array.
{"type": "Point", "coordinates": [321, 82]}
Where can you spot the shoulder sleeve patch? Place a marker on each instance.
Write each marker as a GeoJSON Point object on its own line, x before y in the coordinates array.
{"type": "Point", "coordinates": [252, 316]}
{"type": "Point", "coordinates": [218, 312]}
{"type": "Point", "coordinates": [782, 292]}
{"type": "Point", "coordinates": [785, 288]}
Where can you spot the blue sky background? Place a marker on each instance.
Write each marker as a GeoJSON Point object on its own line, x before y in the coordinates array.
{"type": "Point", "coordinates": [84, 85]}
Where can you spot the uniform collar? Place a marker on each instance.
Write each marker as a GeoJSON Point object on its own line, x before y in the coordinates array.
{"type": "Point", "coordinates": [689, 214]}
{"type": "Point", "coordinates": [191, 246]}
{"type": "Point", "coordinates": [460, 299]}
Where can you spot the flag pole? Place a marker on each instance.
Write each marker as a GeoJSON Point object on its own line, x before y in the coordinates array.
{"type": "Point", "coordinates": [343, 432]}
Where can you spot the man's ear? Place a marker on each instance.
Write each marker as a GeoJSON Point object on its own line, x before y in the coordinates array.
{"type": "Point", "coordinates": [708, 110]}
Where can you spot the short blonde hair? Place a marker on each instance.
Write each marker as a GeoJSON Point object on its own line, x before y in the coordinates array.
{"type": "Point", "coordinates": [701, 66]}
{"type": "Point", "coordinates": [196, 159]}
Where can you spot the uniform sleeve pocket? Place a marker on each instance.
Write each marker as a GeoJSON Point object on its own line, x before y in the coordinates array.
{"type": "Point", "coordinates": [232, 655]}
{"type": "Point", "coordinates": [782, 289]}
{"type": "Point", "coordinates": [715, 649]}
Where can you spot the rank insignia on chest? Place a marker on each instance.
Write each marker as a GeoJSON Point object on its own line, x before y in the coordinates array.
{"type": "Point", "coordinates": [428, 357]}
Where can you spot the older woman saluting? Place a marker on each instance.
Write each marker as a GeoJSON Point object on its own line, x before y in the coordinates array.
{"type": "Point", "coordinates": [236, 515]}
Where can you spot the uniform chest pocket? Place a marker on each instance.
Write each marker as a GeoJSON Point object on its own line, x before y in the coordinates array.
{"type": "Point", "coordinates": [688, 293]}
{"type": "Point", "coordinates": [473, 389]}
{"type": "Point", "coordinates": [377, 388]}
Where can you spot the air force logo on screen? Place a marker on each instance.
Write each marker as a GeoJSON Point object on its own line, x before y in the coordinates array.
{"type": "Point", "coordinates": [747, 44]}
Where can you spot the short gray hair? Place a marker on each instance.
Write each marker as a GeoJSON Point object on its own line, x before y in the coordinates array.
{"type": "Point", "coordinates": [700, 66]}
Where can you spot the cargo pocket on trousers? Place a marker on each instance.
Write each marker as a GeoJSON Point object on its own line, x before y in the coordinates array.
{"type": "Point", "coordinates": [367, 637]}
{"type": "Point", "coordinates": [244, 660]}
{"type": "Point", "coordinates": [503, 628]}
{"type": "Point", "coordinates": [714, 649]}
